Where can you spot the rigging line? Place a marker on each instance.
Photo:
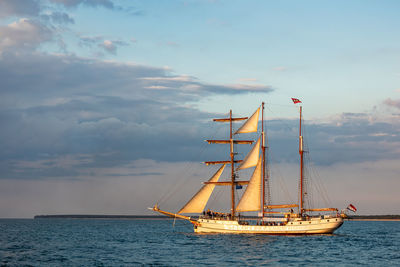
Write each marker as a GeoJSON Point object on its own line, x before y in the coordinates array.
{"type": "Point", "coordinates": [321, 185]}
{"type": "Point", "coordinates": [318, 181]}
{"type": "Point", "coordinates": [173, 225]}
{"type": "Point", "coordinates": [279, 105]}
{"type": "Point", "coordinates": [309, 197]}
{"type": "Point", "coordinates": [189, 168]}
{"type": "Point", "coordinates": [270, 181]}
{"type": "Point", "coordinates": [321, 188]}
{"type": "Point", "coordinates": [275, 168]}
{"type": "Point", "coordinates": [281, 180]}
{"type": "Point", "coordinates": [176, 185]}
{"type": "Point", "coordinates": [216, 196]}
{"type": "Point", "coordinates": [288, 127]}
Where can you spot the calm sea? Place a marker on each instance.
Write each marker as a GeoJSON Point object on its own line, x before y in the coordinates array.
{"type": "Point", "coordinates": [71, 242]}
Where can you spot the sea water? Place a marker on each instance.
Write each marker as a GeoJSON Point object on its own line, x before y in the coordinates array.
{"type": "Point", "coordinates": [73, 242]}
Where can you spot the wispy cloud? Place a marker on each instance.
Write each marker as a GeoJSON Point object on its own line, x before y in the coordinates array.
{"type": "Point", "coordinates": [106, 45]}
{"type": "Point", "coordinates": [392, 103]}
{"type": "Point", "coordinates": [280, 68]}
{"type": "Point", "coordinates": [241, 80]}
{"type": "Point", "coordinates": [93, 3]}
{"type": "Point", "coordinates": [58, 18]}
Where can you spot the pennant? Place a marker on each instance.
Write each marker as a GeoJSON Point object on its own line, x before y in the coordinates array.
{"type": "Point", "coordinates": [295, 100]}
{"type": "Point", "coordinates": [352, 208]}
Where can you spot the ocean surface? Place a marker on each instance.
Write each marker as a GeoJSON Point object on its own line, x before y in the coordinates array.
{"type": "Point", "coordinates": [80, 242]}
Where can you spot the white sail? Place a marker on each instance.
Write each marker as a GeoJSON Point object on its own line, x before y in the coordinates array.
{"type": "Point", "coordinates": [251, 199]}
{"type": "Point", "coordinates": [199, 201]}
{"type": "Point", "coordinates": [251, 158]}
{"type": "Point", "coordinates": [251, 124]}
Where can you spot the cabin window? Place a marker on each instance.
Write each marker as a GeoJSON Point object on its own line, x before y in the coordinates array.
{"type": "Point", "coordinates": [310, 222]}
{"type": "Point", "coordinates": [336, 219]}
{"type": "Point", "coordinates": [300, 222]}
{"type": "Point", "coordinates": [327, 220]}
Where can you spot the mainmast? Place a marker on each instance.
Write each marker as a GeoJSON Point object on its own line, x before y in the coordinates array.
{"type": "Point", "coordinates": [263, 160]}
{"type": "Point", "coordinates": [301, 151]}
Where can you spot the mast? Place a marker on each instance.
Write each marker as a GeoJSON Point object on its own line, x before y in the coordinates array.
{"type": "Point", "coordinates": [232, 167]}
{"type": "Point", "coordinates": [249, 126]}
{"type": "Point", "coordinates": [301, 164]}
{"type": "Point", "coordinates": [263, 160]}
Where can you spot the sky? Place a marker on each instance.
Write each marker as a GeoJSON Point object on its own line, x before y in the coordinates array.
{"type": "Point", "coordinates": [105, 105]}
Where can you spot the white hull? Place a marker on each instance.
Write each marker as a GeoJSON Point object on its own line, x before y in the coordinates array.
{"type": "Point", "coordinates": [311, 226]}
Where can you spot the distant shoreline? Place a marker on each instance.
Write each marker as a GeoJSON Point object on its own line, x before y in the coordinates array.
{"type": "Point", "coordinates": [158, 217]}
{"type": "Point", "coordinates": [88, 216]}
{"type": "Point", "coordinates": [374, 218]}
{"type": "Point", "coordinates": [371, 220]}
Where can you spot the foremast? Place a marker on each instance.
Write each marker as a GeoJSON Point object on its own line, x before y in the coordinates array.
{"type": "Point", "coordinates": [233, 183]}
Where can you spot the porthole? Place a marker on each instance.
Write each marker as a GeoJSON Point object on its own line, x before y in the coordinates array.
{"type": "Point", "coordinates": [310, 222]}
{"type": "Point", "coordinates": [327, 220]}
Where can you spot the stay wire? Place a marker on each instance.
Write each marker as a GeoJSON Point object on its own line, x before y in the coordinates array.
{"type": "Point", "coordinates": [188, 168]}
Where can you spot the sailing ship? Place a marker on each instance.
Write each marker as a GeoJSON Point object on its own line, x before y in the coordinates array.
{"type": "Point", "coordinates": [283, 219]}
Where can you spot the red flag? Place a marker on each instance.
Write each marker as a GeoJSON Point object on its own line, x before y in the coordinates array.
{"type": "Point", "coordinates": [295, 100]}
{"type": "Point", "coordinates": [352, 208]}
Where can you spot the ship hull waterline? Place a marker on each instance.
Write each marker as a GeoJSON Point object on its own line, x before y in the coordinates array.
{"type": "Point", "coordinates": [323, 226]}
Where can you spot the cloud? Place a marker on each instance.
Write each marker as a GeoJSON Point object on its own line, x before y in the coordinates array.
{"type": "Point", "coordinates": [109, 4]}
{"type": "Point", "coordinates": [172, 44]}
{"type": "Point", "coordinates": [24, 34]}
{"type": "Point", "coordinates": [280, 68]}
{"type": "Point", "coordinates": [58, 18]}
{"type": "Point", "coordinates": [19, 8]}
{"type": "Point", "coordinates": [109, 46]}
{"type": "Point", "coordinates": [392, 103]}
{"type": "Point", "coordinates": [109, 112]}
{"type": "Point", "coordinates": [93, 3]}
{"type": "Point", "coordinates": [190, 85]}
{"type": "Point", "coordinates": [41, 23]}
{"type": "Point", "coordinates": [90, 40]}
{"type": "Point", "coordinates": [92, 114]}
{"type": "Point", "coordinates": [37, 24]}
{"type": "Point", "coordinates": [95, 114]}
{"type": "Point", "coordinates": [248, 80]}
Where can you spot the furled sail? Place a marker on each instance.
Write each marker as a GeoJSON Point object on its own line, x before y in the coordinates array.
{"type": "Point", "coordinates": [252, 157]}
{"type": "Point", "coordinates": [199, 201]}
{"type": "Point", "coordinates": [250, 125]}
{"type": "Point", "coordinates": [251, 199]}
